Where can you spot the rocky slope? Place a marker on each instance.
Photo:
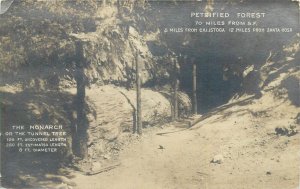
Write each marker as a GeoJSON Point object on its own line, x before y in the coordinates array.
{"type": "Point", "coordinates": [250, 142]}
{"type": "Point", "coordinates": [111, 32]}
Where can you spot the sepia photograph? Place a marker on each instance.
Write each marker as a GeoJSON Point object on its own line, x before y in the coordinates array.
{"type": "Point", "coordinates": [149, 94]}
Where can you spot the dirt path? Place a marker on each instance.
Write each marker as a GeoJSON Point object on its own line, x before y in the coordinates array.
{"type": "Point", "coordinates": [241, 134]}
{"type": "Point", "coordinates": [145, 165]}
{"type": "Point", "coordinates": [252, 156]}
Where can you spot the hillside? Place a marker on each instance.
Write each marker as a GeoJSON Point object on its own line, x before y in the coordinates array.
{"type": "Point", "coordinates": [247, 143]}
{"type": "Point", "coordinates": [74, 64]}
{"type": "Point", "coordinates": [250, 142]}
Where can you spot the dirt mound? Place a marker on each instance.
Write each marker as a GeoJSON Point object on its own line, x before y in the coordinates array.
{"type": "Point", "coordinates": [115, 112]}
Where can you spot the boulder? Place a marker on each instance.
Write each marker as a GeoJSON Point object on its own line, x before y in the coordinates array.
{"type": "Point", "coordinates": [218, 159]}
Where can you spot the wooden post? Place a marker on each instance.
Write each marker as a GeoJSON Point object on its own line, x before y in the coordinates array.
{"type": "Point", "coordinates": [175, 91]}
{"type": "Point", "coordinates": [1, 154]}
{"type": "Point", "coordinates": [194, 87]}
{"type": "Point", "coordinates": [79, 132]}
{"type": "Point", "coordinates": [138, 96]}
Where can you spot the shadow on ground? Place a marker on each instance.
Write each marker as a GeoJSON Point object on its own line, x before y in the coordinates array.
{"type": "Point", "coordinates": [26, 170]}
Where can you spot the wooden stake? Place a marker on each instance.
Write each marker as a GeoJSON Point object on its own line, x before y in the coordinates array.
{"type": "Point", "coordinates": [194, 87]}
{"type": "Point", "coordinates": [138, 96]}
{"type": "Point", "coordinates": [175, 91]}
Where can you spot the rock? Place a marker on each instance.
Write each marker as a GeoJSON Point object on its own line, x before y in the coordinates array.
{"type": "Point", "coordinates": [297, 119]}
{"type": "Point", "coordinates": [62, 186]}
{"type": "Point", "coordinates": [219, 159]}
{"type": "Point", "coordinates": [286, 131]}
{"type": "Point", "coordinates": [268, 173]}
{"type": "Point", "coordinates": [111, 132]}
{"type": "Point", "coordinates": [133, 32]}
{"type": "Point", "coordinates": [58, 178]}
{"type": "Point", "coordinates": [106, 156]}
{"type": "Point", "coordinates": [281, 131]}
{"type": "Point", "coordinates": [96, 166]}
{"type": "Point", "coordinates": [100, 147]}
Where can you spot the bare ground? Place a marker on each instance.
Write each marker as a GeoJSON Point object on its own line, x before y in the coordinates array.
{"type": "Point", "coordinates": [241, 133]}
